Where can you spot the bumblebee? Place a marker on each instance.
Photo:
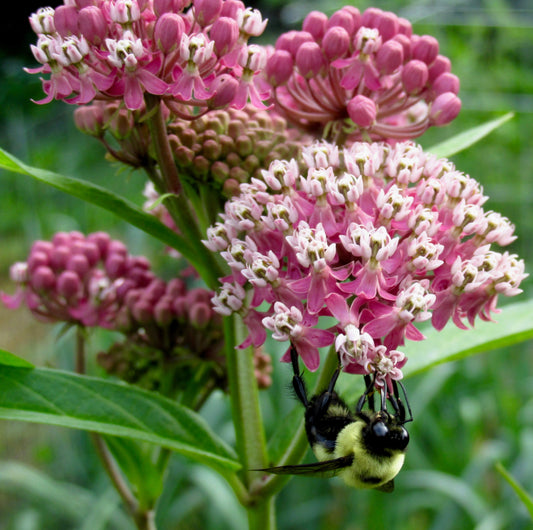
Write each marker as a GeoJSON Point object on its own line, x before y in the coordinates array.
{"type": "Point", "coordinates": [366, 448]}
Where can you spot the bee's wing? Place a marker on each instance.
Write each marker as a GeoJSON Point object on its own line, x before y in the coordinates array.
{"type": "Point", "coordinates": [324, 468]}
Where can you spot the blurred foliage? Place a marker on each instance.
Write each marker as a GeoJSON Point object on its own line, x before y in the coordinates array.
{"type": "Point", "coordinates": [468, 414]}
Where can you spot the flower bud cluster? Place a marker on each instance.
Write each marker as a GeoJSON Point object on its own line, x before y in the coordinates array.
{"type": "Point", "coordinates": [227, 147]}
{"type": "Point", "coordinates": [375, 236]}
{"type": "Point", "coordinates": [362, 76]}
{"type": "Point", "coordinates": [168, 328]}
{"type": "Point", "coordinates": [188, 52]}
{"type": "Point", "coordinates": [77, 279]}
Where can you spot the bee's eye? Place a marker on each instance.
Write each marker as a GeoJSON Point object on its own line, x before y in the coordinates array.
{"type": "Point", "coordinates": [401, 439]}
{"type": "Point", "coordinates": [380, 430]}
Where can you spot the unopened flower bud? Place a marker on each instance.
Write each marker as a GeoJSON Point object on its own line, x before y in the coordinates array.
{"type": "Point", "coordinates": [101, 240]}
{"type": "Point", "coordinates": [37, 259]}
{"type": "Point", "coordinates": [224, 32]}
{"type": "Point", "coordinates": [231, 187]}
{"type": "Point", "coordinates": [78, 264]}
{"type": "Point", "coordinates": [406, 45]}
{"type": "Point", "coordinates": [387, 24]}
{"type": "Point", "coordinates": [441, 65]}
{"type": "Point", "coordinates": [90, 120]}
{"type": "Point", "coordinates": [115, 265]}
{"type": "Point", "coordinates": [92, 24]}
{"type": "Point", "coordinates": [404, 27]}
{"type": "Point", "coordinates": [66, 20]}
{"type": "Point", "coordinates": [43, 279]}
{"type": "Point", "coordinates": [231, 7]}
{"type": "Point", "coordinates": [69, 284]}
{"type": "Point", "coordinates": [200, 314]}
{"type": "Point", "coordinates": [163, 314]}
{"type": "Point", "coordinates": [444, 109]}
{"type": "Point", "coordinates": [225, 88]}
{"type": "Point", "coordinates": [292, 40]}
{"type": "Point", "coordinates": [426, 49]}
{"type": "Point", "coordinates": [220, 171]}
{"type": "Point", "coordinates": [335, 43]}
{"type": "Point", "coordinates": [446, 83]}
{"type": "Point", "coordinates": [369, 17]}
{"type": "Point", "coordinates": [310, 60]}
{"type": "Point", "coordinates": [315, 24]}
{"type": "Point", "coordinates": [164, 6]}
{"type": "Point", "coordinates": [168, 31]}
{"type": "Point", "coordinates": [389, 57]}
{"type": "Point", "coordinates": [142, 311]}
{"type": "Point", "coordinates": [343, 19]}
{"type": "Point", "coordinates": [414, 76]}
{"type": "Point", "coordinates": [279, 67]}
{"type": "Point", "coordinates": [207, 11]}
{"type": "Point", "coordinates": [362, 111]}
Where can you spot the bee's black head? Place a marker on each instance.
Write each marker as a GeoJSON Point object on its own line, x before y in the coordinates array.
{"type": "Point", "coordinates": [383, 434]}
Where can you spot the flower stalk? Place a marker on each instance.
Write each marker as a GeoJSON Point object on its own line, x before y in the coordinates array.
{"type": "Point", "coordinates": [144, 518]}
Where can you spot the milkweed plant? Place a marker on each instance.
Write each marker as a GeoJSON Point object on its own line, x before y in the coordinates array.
{"type": "Point", "coordinates": [287, 182]}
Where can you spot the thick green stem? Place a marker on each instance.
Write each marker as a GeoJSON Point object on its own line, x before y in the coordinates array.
{"type": "Point", "coordinates": [244, 396]}
{"type": "Point", "coordinates": [249, 432]}
{"type": "Point", "coordinates": [176, 202]}
{"type": "Point", "coordinates": [263, 516]}
{"type": "Point", "coordinates": [296, 449]}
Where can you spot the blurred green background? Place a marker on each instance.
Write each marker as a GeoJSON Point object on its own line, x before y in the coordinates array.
{"type": "Point", "coordinates": [468, 414]}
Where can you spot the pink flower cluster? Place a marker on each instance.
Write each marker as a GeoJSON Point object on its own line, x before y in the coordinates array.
{"type": "Point", "coordinates": [375, 236]}
{"type": "Point", "coordinates": [186, 52]}
{"type": "Point", "coordinates": [362, 76]}
{"type": "Point", "coordinates": [77, 279]}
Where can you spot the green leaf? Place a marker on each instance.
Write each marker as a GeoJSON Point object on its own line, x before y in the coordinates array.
{"type": "Point", "coordinates": [467, 138]}
{"type": "Point", "coordinates": [103, 198]}
{"type": "Point", "coordinates": [10, 359]}
{"type": "Point", "coordinates": [521, 492]}
{"type": "Point", "coordinates": [513, 325]}
{"type": "Point", "coordinates": [59, 398]}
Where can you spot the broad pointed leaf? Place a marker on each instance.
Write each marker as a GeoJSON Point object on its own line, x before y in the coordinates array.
{"type": "Point", "coordinates": [467, 138]}
{"type": "Point", "coordinates": [513, 325]}
{"type": "Point", "coordinates": [59, 398]}
{"type": "Point", "coordinates": [101, 197]}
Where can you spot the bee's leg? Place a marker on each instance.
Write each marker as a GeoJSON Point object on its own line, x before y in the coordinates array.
{"type": "Point", "coordinates": [324, 399]}
{"type": "Point", "coordinates": [401, 412]}
{"type": "Point", "coordinates": [396, 403]}
{"type": "Point", "coordinates": [369, 393]}
{"type": "Point", "coordinates": [297, 381]}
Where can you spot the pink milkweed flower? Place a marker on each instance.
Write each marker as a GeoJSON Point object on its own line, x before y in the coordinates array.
{"type": "Point", "coordinates": [289, 324]}
{"type": "Point", "coordinates": [361, 76]}
{"type": "Point", "coordinates": [185, 51]}
{"type": "Point", "coordinates": [250, 64]}
{"type": "Point", "coordinates": [373, 236]}
{"type": "Point", "coordinates": [129, 55]}
{"type": "Point", "coordinates": [197, 53]}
